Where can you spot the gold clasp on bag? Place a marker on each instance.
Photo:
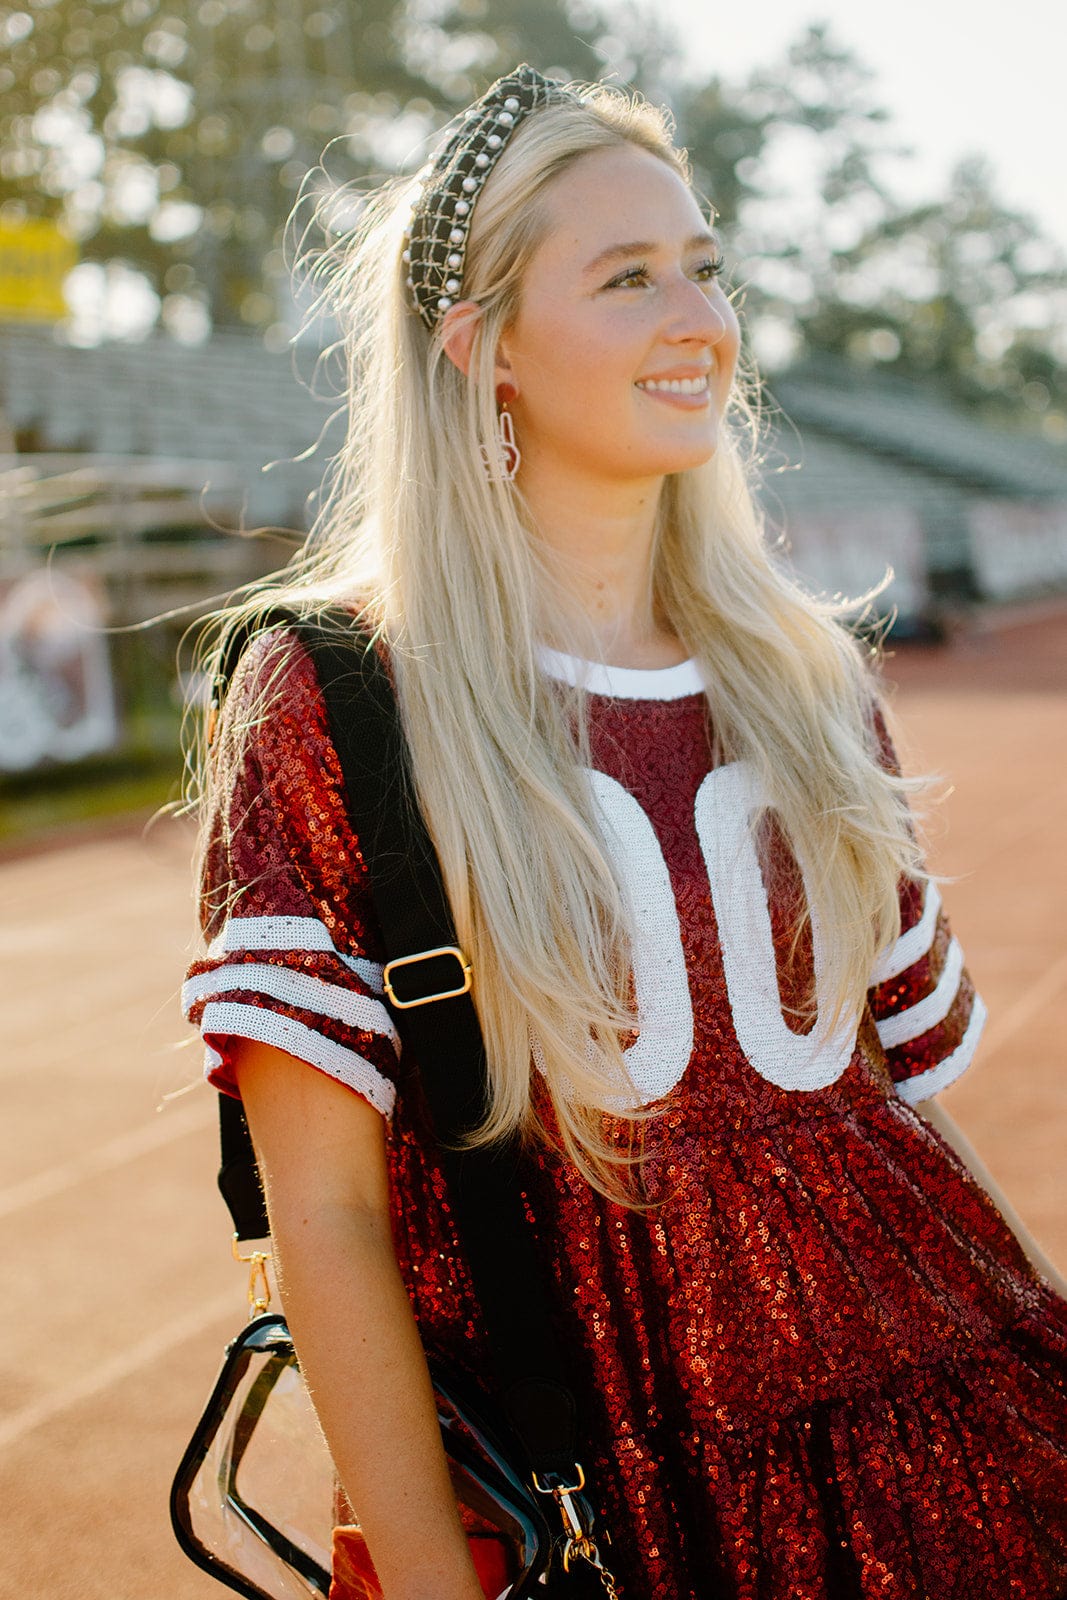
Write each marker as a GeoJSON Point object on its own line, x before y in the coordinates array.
{"type": "Point", "coordinates": [258, 1282]}
{"type": "Point", "coordinates": [579, 1539]}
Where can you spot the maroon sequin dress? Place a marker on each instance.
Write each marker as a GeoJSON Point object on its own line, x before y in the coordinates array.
{"type": "Point", "coordinates": [821, 1367]}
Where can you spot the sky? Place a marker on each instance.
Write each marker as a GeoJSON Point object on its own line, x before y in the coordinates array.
{"type": "Point", "coordinates": [958, 79]}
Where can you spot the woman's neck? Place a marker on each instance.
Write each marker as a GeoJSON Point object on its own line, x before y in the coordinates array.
{"type": "Point", "coordinates": [601, 540]}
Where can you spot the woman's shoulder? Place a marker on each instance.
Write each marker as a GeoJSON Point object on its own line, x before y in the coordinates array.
{"type": "Point", "coordinates": [275, 792]}
{"type": "Point", "coordinates": [272, 697]}
{"type": "Point", "coordinates": [275, 676]}
{"type": "Point", "coordinates": [275, 663]}
{"type": "Point", "coordinates": [273, 717]}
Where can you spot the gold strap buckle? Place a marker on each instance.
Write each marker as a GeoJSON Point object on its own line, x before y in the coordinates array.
{"type": "Point", "coordinates": [258, 1282]}
{"type": "Point", "coordinates": [427, 955]}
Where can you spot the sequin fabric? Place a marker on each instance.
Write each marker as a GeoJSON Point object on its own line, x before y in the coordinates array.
{"type": "Point", "coordinates": [820, 1367]}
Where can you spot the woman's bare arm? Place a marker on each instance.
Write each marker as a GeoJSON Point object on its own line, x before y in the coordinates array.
{"type": "Point", "coordinates": [938, 1118]}
{"type": "Point", "coordinates": [322, 1154]}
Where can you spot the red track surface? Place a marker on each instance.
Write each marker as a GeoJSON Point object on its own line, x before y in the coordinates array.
{"type": "Point", "coordinates": [119, 1286]}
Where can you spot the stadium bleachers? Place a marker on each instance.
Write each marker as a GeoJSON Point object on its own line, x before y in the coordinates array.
{"type": "Point", "coordinates": [230, 400]}
{"type": "Point", "coordinates": [862, 468]}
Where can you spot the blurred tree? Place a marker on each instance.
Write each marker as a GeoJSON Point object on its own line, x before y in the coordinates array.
{"type": "Point", "coordinates": [798, 161]}
{"type": "Point", "coordinates": [725, 139]}
{"type": "Point", "coordinates": [794, 160]}
{"type": "Point", "coordinates": [174, 136]}
{"type": "Point", "coordinates": [627, 40]}
{"type": "Point", "coordinates": [966, 289]}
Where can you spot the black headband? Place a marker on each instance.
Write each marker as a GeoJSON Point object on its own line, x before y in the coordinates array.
{"type": "Point", "coordinates": [435, 244]}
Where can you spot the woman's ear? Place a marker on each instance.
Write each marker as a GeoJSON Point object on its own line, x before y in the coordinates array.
{"type": "Point", "coordinates": [458, 328]}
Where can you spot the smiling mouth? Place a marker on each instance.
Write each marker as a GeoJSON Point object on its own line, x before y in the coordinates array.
{"type": "Point", "coordinates": [682, 394]}
{"type": "Point", "coordinates": [674, 386]}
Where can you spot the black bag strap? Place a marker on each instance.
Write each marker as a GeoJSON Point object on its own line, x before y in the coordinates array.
{"type": "Point", "coordinates": [438, 1023]}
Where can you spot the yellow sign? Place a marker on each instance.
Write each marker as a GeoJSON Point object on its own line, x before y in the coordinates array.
{"type": "Point", "coordinates": [35, 257]}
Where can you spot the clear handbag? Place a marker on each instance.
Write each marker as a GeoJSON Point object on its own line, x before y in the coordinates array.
{"type": "Point", "coordinates": [255, 1500]}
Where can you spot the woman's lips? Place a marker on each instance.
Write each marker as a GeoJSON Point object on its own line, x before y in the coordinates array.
{"type": "Point", "coordinates": [674, 397]}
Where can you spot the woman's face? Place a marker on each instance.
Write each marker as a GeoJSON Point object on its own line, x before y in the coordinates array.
{"type": "Point", "coordinates": [624, 346]}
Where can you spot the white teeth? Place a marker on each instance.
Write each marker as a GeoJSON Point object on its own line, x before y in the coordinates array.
{"type": "Point", "coordinates": [676, 385]}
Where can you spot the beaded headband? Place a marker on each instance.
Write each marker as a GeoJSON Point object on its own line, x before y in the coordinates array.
{"type": "Point", "coordinates": [435, 244]}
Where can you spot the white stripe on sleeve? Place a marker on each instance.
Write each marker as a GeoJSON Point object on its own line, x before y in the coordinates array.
{"type": "Point", "coordinates": [296, 989]}
{"type": "Point", "coordinates": [230, 1019]}
{"type": "Point", "coordinates": [934, 1079]}
{"type": "Point", "coordinates": [911, 945]}
{"type": "Point", "coordinates": [291, 933]}
{"type": "Point", "coordinates": [930, 1010]}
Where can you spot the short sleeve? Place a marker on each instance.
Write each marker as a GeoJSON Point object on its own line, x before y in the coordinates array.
{"type": "Point", "coordinates": [922, 999]}
{"type": "Point", "coordinates": [292, 956]}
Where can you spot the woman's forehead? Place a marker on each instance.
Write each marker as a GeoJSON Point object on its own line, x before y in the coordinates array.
{"type": "Point", "coordinates": [616, 199]}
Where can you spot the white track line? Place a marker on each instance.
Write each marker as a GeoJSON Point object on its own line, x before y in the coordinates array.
{"type": "Point", "coordinates": [120, 1366]}
{"type": "Point", "coordinates": [167, 1128]}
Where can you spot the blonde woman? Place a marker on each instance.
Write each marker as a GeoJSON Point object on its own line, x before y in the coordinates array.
{"type": "Point", "coordinates": [717, 989]}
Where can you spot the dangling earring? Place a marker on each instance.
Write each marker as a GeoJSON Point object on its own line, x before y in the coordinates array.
{"type": "Point", "coordinates": [507, 450]}
{"type": "Point", "coordinates": [510, 453]}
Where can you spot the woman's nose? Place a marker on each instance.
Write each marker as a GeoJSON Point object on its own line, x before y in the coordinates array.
{"type": "Point", "coordinates": [697, 316]}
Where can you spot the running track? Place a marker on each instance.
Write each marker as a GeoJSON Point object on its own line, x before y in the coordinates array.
{"type": "Point", "coordinates": [120, 1290]}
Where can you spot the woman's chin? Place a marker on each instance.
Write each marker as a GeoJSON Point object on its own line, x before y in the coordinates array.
{"type": "Point", "coordinates": [683, 457]}
{"type": "Point", "coordinates": [648, 459]}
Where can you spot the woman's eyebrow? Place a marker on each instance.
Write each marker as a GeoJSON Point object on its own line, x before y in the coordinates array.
{"type": "Point", "coordinates": [643, 247]}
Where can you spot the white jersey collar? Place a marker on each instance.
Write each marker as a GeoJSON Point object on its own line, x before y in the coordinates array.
{"type": "Point", "coordinates": [624, 683]}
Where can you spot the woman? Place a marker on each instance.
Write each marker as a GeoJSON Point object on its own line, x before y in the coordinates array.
{"type": "Point", "coordinates": [816, 1361]}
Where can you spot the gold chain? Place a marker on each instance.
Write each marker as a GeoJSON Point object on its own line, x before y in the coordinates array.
{"type": "Point", "coordinates": [579, 1541]}
{"type": "Point", "coordinates": [586, 1548]}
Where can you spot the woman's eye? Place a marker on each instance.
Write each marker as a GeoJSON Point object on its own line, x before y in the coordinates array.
{"type": "Point", "coordinates": [630, 276]}
{"type": "Point", "coordinates": [636, 276]}
{"type": "Point", "coordinates": [712, 267]}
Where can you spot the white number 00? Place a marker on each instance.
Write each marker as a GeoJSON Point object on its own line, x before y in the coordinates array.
{"type": "Point", "coordinates": [659, 1057]}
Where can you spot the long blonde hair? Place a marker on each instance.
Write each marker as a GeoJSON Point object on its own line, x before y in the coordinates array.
{"type": "Point", "coordinates": [447, 566]}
